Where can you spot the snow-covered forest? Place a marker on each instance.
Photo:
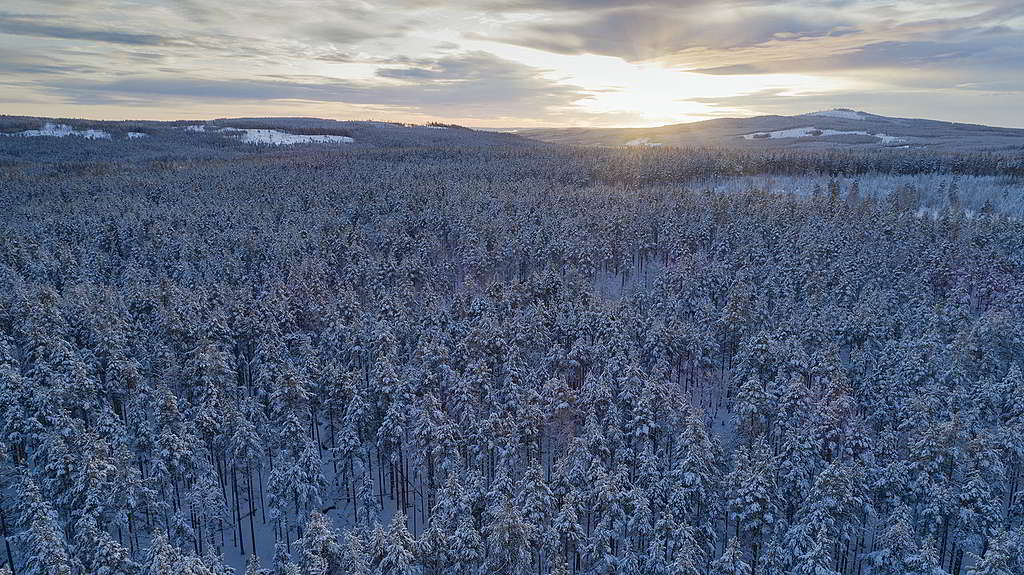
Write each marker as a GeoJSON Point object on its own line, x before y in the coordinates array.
{"type": "Point", "coordinates": [509, 359]}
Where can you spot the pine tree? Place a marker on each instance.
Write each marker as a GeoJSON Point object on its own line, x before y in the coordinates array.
{"type": "Point", "coordinates": [100, 554]}
{"type": "Point", "coordinates": [254, 566]}
{"type": "Point", "coordinates": [47, 550]}
{"type": "Point", "coordinates": [925, 561]}
{"type": "Point", "coordinates": [898, 546]}
{"type": "Point", "coordinates": [1003, 556]}
{"type": "Point", "coordinates": [165, 559]}
{"type": "Point", "coordinates": [752, 491]}
{"type": "Point", "coordinates": [356, 556]}
{"type": "Point", "coordinates": [817, 560]}
{"type": "Point", "coordinates": [687, 559]}
{"type": "Point", "coordinates": [697, 470]}
{"type": "Point", "coordinates": [753, 401]}
{"type": "Point", "coordinates": [319, 549]}
{"type": "Point", "coordinates": [508, 536]}
{"type": "Point", "coordinates": [731, 562]}
{"type": "Point", "coordinates": [566, 525]}
{"type": "Point", "coordinates": [282, 559]}
{"type": "Point", "coordinates": [398, 549]}
{"type": "Point", "coordinates": [467, 548]}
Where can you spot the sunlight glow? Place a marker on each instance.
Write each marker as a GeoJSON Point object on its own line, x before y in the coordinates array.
{"type": "Point", "coordinates": [651, 94]}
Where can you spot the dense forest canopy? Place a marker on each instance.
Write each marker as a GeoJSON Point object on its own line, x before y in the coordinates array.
{"type": "Point", "coordinates": [508, 358]}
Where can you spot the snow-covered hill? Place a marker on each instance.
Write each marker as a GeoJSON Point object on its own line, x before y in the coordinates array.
{"type": "Point", "coordinates": [265, 131]}
{"type": "Point", "coordinates": [837, 128]}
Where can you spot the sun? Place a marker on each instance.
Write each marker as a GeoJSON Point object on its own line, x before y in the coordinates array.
{"type": "Point", "coordinates": [618, 93]}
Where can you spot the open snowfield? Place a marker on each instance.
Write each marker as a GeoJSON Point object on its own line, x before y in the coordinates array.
{"type": "Point", "coordinates": [279, 138]}
{"type": "Point", "coordinates": [642, 142]}
{"type": "Point", "coordinates": [812, 132]}
{"type": "Point", "coordinates": [62, 130]}
{"type": "Point", "coordinates": [269, 136]}
{"type": "Point", "coordinates": [839, 113]}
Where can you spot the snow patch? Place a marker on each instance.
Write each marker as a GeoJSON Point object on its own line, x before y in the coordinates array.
{"type": "Point", "coordinates": [271, 137]}
{"type": "Point", "coordinates": [813, 132]}
{"type": "Point", "coordinates": [135, 135]}
{"type": "Point", "coordinates": [840, 113]}
{"type": "Point", "coordinates": [642, 142]}
{"type": "Point", "coordinates": [279, 138]}
{"type": "Point", "coordinates": [61, 130]}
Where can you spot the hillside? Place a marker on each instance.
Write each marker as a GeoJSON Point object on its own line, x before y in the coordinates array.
{"type": "Point", "coordinates": [40, 139]}
{"type": "Point", "coordinates": [838, 128]}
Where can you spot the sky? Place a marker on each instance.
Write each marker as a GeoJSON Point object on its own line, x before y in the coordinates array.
{"type": "Point", "coordinates": [512, 63]}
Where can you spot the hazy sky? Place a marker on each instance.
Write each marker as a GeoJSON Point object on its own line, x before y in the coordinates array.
{"type": "Point", "coordinates": [513, 62]}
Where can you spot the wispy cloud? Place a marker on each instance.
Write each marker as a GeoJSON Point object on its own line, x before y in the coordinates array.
{"type": "Point", "coordinates": [42, 27]}
{"type": "Point", "coordinates": [476, 83]}
{"type": "Point", "coordinates": [646, 32]}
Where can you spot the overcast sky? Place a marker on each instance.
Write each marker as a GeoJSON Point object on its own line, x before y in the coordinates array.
{"type": "Point", "coordinates": [513, 62]}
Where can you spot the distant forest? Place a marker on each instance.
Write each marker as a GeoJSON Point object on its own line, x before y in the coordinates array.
{"type": "Point", "coordinates": [509, 358]}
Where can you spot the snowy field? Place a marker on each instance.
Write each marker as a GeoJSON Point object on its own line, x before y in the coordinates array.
{"type": "Point", "coordinates": [642, 142]}
{"type": "Point", "coordinates": [270, 137]}
{"type": "Point", "coordinates": [840, 113]}
{"type": "Point", "coordinates": [61, 131]}
{"type": "Point", "coordinates": [279, 138]}
{"type": "Point", "coordinates": [812, 132]}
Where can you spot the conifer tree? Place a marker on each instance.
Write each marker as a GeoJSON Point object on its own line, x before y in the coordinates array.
{"type": "Point", "coordinates": [46, 549]}
{"type": "Point", "coordinates": [398, 549]}
{"type": "Point", "coordinates": [731, 562]}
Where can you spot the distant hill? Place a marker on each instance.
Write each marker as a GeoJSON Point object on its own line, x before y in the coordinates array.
{"type": "Point", "coordinates": [271, 131]}
{"type": "Point", "coordinates": [26, 140]}
{"type": "Point", "coordinates": [837, 128]}
{"type": "Point", "coordinates": [831, 129]}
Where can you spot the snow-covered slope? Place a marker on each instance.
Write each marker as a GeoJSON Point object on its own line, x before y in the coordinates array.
{"type": "Point", "coordinates": [844, 113]}
{"type": "Point", "coordinates": [269, 136]}
{"type": "Point", "coordinates": [279, 138]}
{"type": "Point", "coordinates": [812, 132]}
{"type": "Point", "coordinates": [61, 130]}
{"type": "Point", "coordinates": [837, 128]}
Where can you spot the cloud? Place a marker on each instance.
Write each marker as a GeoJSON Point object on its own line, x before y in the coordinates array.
{"type": "Point", "coordinates": [38, 27]}
{"type": "Point", "coordinates": [20, 64]}
{"type": "Point", "coordinates": [351, 30]}
{"type": "Point", "coordinates": [968, 58]}
{"type": "Point", "coordinates": [589, 6]}
{"type": "Point", "coordinates": [529, 61]}
{"type": "Point", "coordinates": [646, 31]}
{"type": "Point", "coordinates": [472, 83]}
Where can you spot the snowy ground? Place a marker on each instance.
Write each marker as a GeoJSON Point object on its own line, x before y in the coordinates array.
{"type": "Point", "coordinates": [642, 142]}
{"type": "Point", "coordinates": [839, 113]}
{"type": "Point", "coordinates": [812, 132]}
{"type": "Point", "coordinates": [975, 191]}
{"type": "Point", "coordinates": [61, 130]}
{"type": "Point", "coordinates": [273, 137]}
{"type": "Point", "coordinates": [278, 138]}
